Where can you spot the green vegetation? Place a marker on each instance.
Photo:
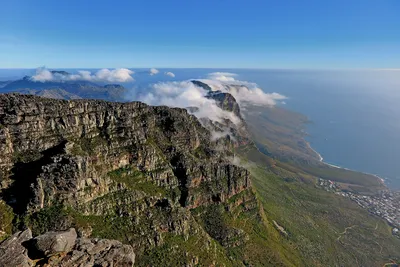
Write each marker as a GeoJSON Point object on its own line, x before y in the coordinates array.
{"type": "Point", "coordinates": [56, 217]}
{"type": "Point", "coordinates": [136, 180]}
{"type": "Point", "coordinates": [111, 226]}
{"type": "Point", "coordinates": [245, 233]}
{"type": "Point", "coordinates": [358, 181]}
{"type": "Point", "coordinates": [6, 218]}
{"type": "Point", "coordinates": [178, 251]}
{"type": "Point", "coordinates": [88, 146]}
{"type": "Point", "coordinates": [26, 156]}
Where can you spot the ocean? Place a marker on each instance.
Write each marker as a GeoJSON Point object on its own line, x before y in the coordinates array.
{"type": "Point", "coordinates": [354, 114]}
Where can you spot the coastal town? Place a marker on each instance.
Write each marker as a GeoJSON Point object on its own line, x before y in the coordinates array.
{"type": "Point", "coordinates": [385, 204]}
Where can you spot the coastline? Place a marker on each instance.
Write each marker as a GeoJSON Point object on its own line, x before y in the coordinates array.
{"type": "Point", "coordinates": [321, 159]}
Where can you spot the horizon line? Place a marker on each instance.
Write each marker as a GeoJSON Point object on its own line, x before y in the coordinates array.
{"type": "Point", "coordinates": [181, 68]}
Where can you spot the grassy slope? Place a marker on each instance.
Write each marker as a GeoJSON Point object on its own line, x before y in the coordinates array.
{"type": "Point", "coordinates": [256, 241]}
{"type": "Point", "coordinates": [317, 220]}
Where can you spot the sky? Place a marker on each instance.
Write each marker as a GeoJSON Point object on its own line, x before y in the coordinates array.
{"type": "Point", "coordinates": [200, 34]}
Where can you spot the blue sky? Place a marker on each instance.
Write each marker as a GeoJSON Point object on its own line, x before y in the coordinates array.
{"type": "Point", "coordinates": [200, 33]}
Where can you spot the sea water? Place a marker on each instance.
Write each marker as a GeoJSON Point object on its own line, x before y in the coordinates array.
{"type": "Point", "coordinates": [355, 115]}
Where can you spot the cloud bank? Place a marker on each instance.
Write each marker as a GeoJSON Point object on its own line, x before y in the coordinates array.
{"type": "Point", "coordinates": [245, 93]}
{"type": "Point", "coordinates": [104, 75]}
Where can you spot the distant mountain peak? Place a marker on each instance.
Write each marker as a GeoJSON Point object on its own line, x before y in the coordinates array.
{"type": "Point", "coordinates": [201, 84]}
{"type": "Point", "coordinates": [61, 72]}
{"type": "Point", "coordinates": [113, 86]}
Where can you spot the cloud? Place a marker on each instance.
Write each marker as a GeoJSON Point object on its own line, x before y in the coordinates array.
{"type": "Point", "coordinates": [222, 76]}
{"type": "Point", "coordinates": [185, 94]}
{"type": "Point", "coordinates": [254, 96]}
{"type": "Point", "coordinates": [245, 93]}
{"type": "Point", "coordinates": [116, 75]}
{"type": "Point", "coordinates": [170, 74]}
{"type": "Point", "coordinates": [154, 71]}
{"type": "Point", "coordinates": [215, 135]}
{"type": "Point", "coordinates": [104, 75]}
{"type": "Point", "coordinates": [42, 75]}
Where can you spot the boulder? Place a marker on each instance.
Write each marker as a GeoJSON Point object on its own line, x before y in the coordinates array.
{"type": "Point", "coordinates": [55, 242]}
{"type": "Point", "coordinates": [12, 251]}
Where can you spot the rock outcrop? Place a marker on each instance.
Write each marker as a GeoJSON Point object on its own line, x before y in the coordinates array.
{"type": "Point", "coordinates": [235, 128]}
{"type": "Point", "coordinates": [63, 249]}
{"type": "Point", "coordinates": [13, 252]}
{"type": "Point", "coordinates": [226, 102]}
{"type": "Point", "coordinates": [202, 85]}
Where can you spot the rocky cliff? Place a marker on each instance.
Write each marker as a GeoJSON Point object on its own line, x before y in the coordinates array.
{"type": "Point", "coordinates": [235, 129]}
{"type": "Point", "coordinates": [125, 171]}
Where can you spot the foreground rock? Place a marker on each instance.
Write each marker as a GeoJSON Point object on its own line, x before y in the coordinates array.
{"type": "Point", "coordinates": [98, 252]}
{"type": "Point", "coordinates": [63, 249]}
{"type": "Point", "coordinates": [12, 251]}
{"type": "Point", "coordinates": [54, 242]}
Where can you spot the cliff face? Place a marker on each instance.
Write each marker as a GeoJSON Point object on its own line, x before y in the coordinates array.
{"type": "Point", "coordinates": [69, 146]}
{"type": "Point", "coordinates": [116, 170]}
{"type": "Point", "coordinates": [226, 102]}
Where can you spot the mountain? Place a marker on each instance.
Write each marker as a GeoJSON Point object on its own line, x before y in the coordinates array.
{"type": "Point", "coordinates": [226, 102]}
{"type": "Point", "coordinates": [119, 171]}
{"type": "Point", "coordinates": [50, 93]}
{"type": "Point", "coordinates": [235, 128]}
{"type": "Point", "coordinates": [4, 83]}
{"type": "Point", "coordinates": [153, 178]}
{"type": "Point", "coordinates": [201, 84]}
{"type": "Point", "coordinates": [73, 89]}
{"type": "Point", "coordinates": [60, 72]}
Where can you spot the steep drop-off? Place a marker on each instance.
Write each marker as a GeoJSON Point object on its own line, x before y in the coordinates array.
{"type": "Point", "coordinates": [123, 171]}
